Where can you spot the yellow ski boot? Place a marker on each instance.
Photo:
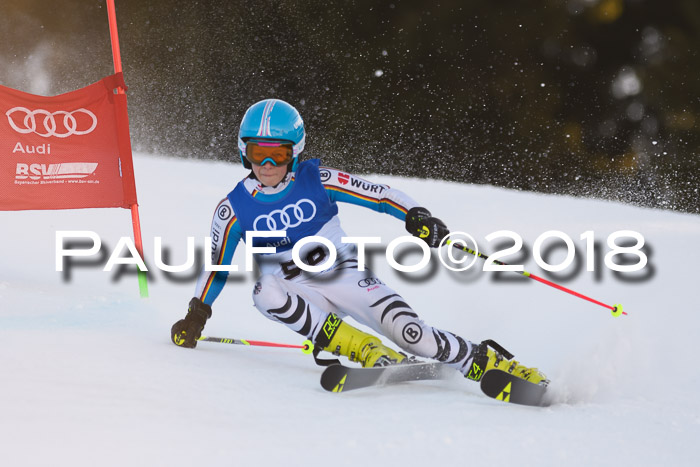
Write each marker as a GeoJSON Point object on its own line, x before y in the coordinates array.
{"type": "Point", "coordinates": [486, 359]}
{"type": "Point", "coordinates": [339, 338]}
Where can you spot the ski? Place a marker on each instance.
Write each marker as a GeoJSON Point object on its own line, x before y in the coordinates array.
{"type": "Point", "coordinates": [505, 387]}
{"type": "Point", "coordinates": [340, 378]}
{"type": "Point", "coordinates": [494, 384]}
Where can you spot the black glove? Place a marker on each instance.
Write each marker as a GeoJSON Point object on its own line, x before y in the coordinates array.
{"type": "Point", "coordinates": [420, 223]}
{"type": "Point", "coordinates": [185, 332]}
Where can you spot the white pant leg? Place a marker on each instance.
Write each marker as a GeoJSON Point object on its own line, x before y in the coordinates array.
{"type": "Point", "coordinates": [370, 301]}
{"type": "Point", "coordinates": [298, 307]}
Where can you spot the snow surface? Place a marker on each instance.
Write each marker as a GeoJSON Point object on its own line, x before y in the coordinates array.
{"type": "Point", "coordinates": [89, 376]}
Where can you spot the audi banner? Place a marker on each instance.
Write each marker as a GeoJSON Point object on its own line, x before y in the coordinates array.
{"type": "Point", "coordinates": [66, 152]}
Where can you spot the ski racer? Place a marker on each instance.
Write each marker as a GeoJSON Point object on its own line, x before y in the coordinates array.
{"type": "Point", "coordinates": [282, 193]}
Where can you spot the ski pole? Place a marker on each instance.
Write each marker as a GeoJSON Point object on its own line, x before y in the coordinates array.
{"type": "Point", "coordinates": [616, 310]}
{"type": "Point", "coordinates": [307, 347]}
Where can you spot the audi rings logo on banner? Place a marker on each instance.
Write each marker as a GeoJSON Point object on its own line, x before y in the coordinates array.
{"type": "Point", "coordinates": [44, 123]}
{"type": "Point", "coordinates": [290, 216]}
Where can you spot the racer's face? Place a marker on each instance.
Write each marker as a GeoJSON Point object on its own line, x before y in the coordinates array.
{"type": "Point", "coordinates": [269, 174]}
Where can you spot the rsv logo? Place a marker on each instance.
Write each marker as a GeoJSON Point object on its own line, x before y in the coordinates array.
{"type": "Point", "coordinates": [65, 170]}
{"type": "Point", "coordinates": [290, 216]}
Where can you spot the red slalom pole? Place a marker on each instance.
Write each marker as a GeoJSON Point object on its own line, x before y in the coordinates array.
{"type": "Point", "coordinates": [307, 347]}
{"type": "Point", "coordinates": [615, 309]}
{"type": "Point", "coordinates": [135, 219]}
{"type": "Point", "coordinates": [114, 36]}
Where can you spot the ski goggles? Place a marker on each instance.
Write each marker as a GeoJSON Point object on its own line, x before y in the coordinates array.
{"type": "Point", "coordinates": [276, 152]}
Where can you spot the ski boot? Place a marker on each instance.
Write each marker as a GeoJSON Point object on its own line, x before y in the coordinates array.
{"type": "Point", "coordinates": [498, 358]}
{"type": "Point", "coordinates": [339, 338]}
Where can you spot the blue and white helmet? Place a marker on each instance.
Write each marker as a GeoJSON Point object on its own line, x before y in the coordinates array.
{"type": "Point", "coordinates": [272, 119]}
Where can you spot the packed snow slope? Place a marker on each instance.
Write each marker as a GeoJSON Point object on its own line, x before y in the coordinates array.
{"type": "Point", "coordinates": [89, 375]}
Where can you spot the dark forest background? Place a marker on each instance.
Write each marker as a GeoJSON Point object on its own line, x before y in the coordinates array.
{"type": "Point", "coordinates": [595, 98]}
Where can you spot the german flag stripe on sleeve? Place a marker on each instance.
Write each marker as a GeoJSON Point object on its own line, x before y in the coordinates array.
{"type": "Point", "coordinates": [378, 202]}
{"type": "Point", "coordinates": [222, 254]}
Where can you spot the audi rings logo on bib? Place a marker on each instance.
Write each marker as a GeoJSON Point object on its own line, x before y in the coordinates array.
{"type": "Point", "coordinates": [60, 123]}
{"type": "Point", "coordinates": [290, 216]}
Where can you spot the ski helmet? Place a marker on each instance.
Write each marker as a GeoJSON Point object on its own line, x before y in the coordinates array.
{"type": "Point", "coordinates": [272, 119]}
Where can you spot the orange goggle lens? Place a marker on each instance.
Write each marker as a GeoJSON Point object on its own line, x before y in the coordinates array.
{"type": "Point", "coordinates": [260, 152]}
